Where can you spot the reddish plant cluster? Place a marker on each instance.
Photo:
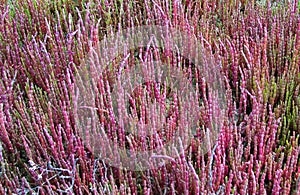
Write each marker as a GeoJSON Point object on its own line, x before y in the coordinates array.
{"type": "Point", "coordinates": [42, 44]}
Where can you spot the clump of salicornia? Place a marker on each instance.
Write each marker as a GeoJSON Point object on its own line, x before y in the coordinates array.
{"type": "Point", "coordinates": [43, 43]}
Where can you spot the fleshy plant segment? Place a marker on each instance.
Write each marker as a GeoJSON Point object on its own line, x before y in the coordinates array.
{"type": "Point", "coordinates": [253, 44]}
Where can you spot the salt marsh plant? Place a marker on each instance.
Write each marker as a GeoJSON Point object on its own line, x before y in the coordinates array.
{"type": "Point", "coordinates": [255, 44]}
